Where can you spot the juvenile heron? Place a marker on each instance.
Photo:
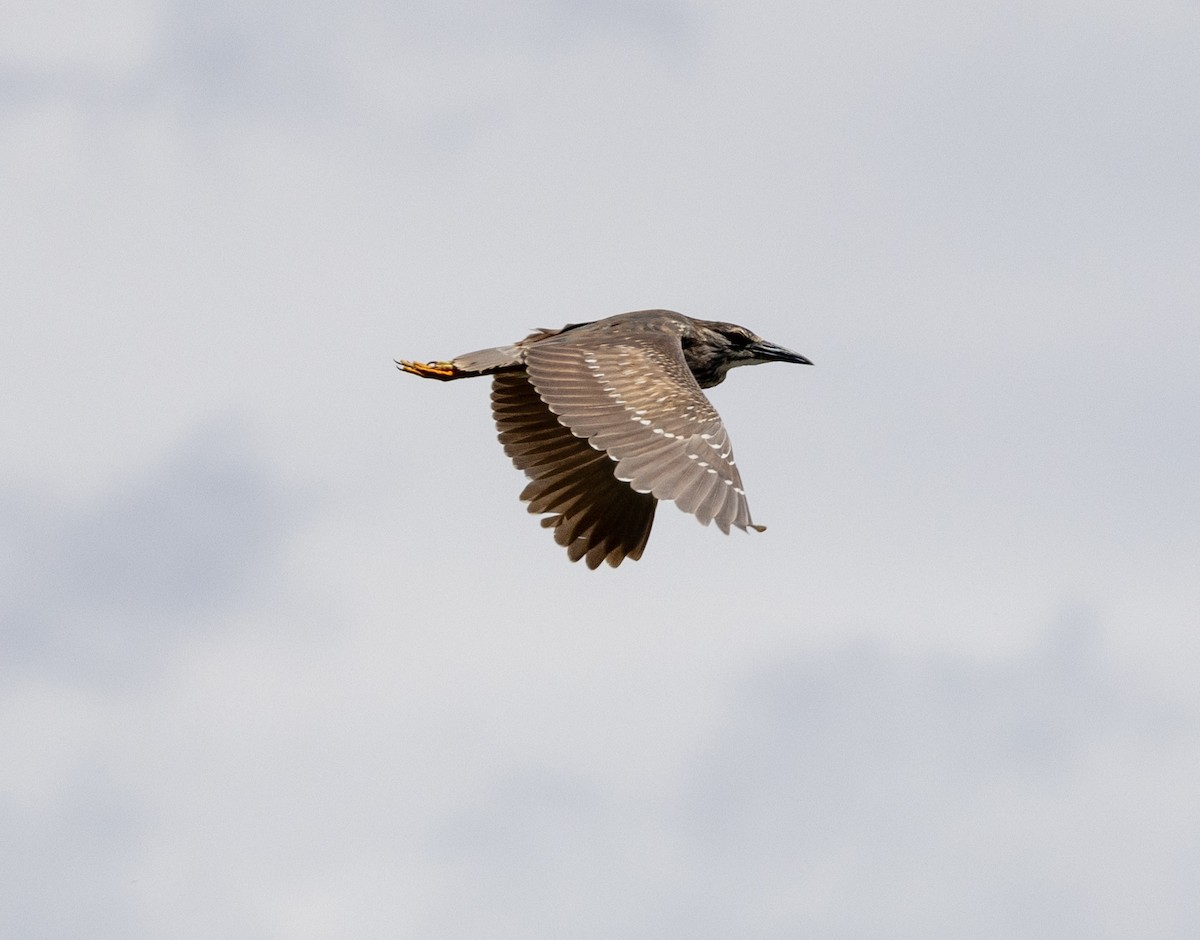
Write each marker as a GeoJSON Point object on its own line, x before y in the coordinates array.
{"type": "Point", "coordinates": [606, 418]}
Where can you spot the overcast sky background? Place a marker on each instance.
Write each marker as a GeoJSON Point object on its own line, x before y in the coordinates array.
{"type": "Point", "coordinates": [282, 655]}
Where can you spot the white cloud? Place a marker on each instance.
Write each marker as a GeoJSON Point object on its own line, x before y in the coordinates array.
{"type": "Point", "coordinates": [98, 593]}
{"type": "Point", "coordinates": [111, 39]}
{"type": "Point", "coordinates": [861, 794]}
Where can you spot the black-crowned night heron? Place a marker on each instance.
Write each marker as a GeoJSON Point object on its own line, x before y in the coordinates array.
{"type": "Point", "coordinates": [606, 418]}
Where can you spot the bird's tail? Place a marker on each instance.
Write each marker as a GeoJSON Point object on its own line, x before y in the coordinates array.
{"type": "Point", "coordinates": [468, 365]}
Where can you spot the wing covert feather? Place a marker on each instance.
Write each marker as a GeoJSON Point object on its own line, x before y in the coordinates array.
{"type": "Point", "coordinates": [637, 401]}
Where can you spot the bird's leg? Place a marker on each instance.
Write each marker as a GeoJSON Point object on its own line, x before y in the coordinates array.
{"type": "Point", "coordinates": [443, 371]}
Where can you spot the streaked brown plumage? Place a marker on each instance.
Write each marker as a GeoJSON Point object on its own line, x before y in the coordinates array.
{"type": "Point", "coordinates": [607, 418]}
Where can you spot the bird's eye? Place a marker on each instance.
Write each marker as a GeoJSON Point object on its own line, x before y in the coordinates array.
{"type": "Point", "coordinates": [738, 340]}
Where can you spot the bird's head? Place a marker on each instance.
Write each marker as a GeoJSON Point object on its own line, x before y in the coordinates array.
{"type": "Point", "coordinates": [712, 348]}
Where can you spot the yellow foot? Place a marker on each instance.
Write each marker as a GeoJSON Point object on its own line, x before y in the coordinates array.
{"type": "Point", "coordinates": [445, 371]}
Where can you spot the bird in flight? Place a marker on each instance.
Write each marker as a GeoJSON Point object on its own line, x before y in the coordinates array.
{"type": "Point", "coordinates": [607, 418]}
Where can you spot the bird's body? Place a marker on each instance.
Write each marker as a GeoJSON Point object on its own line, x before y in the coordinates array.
{"type": "Point", "coordinates": [607, 418]}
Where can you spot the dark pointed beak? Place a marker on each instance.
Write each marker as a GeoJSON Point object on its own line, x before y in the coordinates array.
{"type": "Point", "coordinates": [769, 352]}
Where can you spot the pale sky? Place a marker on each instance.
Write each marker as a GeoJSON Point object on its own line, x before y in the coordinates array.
{"type": "Point", "coordinates": [283, 656]}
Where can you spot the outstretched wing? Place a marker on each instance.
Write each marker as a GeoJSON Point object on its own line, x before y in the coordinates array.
{"type": "Point", "coordinates": [596, 516]}
{"type": "Point", "coordinates": [636, 400]}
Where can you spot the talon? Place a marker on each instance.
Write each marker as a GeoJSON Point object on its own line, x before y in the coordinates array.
{"type": "Point", "coordinates": [430, 370]}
